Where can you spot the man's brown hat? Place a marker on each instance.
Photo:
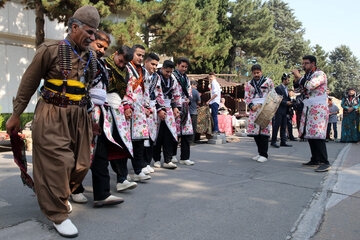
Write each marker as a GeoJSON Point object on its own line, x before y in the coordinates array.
{"type": "Point", "coordinates": [88, 15]}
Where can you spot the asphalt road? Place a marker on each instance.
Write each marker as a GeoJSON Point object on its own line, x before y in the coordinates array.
{"type": "Point", "coordinates": [225, 195]}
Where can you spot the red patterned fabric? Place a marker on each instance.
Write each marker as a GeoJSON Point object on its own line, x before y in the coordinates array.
{"type": "Point", "coordinates": [18, 148]}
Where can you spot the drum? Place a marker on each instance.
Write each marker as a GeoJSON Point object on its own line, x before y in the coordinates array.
{"type": "Point", "coordinates": [268, 109]}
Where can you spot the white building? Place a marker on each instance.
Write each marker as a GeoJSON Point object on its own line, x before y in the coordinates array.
{"type": "Point", "coordinates": [17, 48]}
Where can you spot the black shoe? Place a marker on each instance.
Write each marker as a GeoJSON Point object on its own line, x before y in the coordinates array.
{"type": "Point", "coordinates": [285, 145]}
{"type": "Point", "coordinates": [275, 145]}
{"type": "Point", "coordinates": [310, 164]}
{"type": "Point", "coordinates": [293, 139]}
{"type": "Point", "coordinates": [323, 168]}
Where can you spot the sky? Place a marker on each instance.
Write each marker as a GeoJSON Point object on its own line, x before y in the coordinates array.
{"type": "Point", "coordinates": [329, 23]}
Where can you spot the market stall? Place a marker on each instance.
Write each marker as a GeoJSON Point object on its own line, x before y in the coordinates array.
{"type": "Point", "coordinates": [232, 92]}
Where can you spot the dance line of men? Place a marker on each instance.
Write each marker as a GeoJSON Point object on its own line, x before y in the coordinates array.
{"type": "Point", "coordinates": [96, 110]}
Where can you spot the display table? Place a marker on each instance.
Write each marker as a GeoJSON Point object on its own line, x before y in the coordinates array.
{"type": "Point", "coordinates": [225, 124]}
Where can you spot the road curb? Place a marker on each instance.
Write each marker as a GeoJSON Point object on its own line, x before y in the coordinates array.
{"type": "Point", "coordinates": [311, 217]}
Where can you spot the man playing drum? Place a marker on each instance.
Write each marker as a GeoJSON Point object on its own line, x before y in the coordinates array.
{"type": "Point", "coordinates": [256, 91]}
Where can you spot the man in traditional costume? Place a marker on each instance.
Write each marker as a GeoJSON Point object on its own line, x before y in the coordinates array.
{"type": "Point", "coordinates": [256, 91]}
{"type": "Point", "coordinates": [62, 128]}
{"type": "Point", "coordinates": [112, 132]}
{"type": "Point", "coordinates": [315, 115]}
{"type": "Point", "coordinates": [119, 75]}
{"type": "Point", "coordinates": [137, 96]}
{"type": "Point", "coordinates": [183, 124]}
{"type": "Point", "coordinates": [153, 84]}
{"type": "Point", "coordinates": [167, 133]}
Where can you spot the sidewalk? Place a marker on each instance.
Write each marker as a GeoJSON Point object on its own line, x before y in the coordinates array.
{"type": "Point", "coordinates": [342, 217]}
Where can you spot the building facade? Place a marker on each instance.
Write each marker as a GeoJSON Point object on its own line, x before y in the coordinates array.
{"type": "Point", "coordinates": [17, 48]}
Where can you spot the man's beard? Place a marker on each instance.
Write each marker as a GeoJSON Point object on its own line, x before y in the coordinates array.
{"type": "Point", "coordinates": [121, 68]}
{"type": "Point", "coordinates": [99, 54]}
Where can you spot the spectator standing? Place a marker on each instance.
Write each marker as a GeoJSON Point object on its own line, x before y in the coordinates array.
{"type": "Point", "coordinates": [280, 120]}
{"type": "Point", "coordinates": [290, 116]}
{"type": "Point", "coordinates": [350, 122]}
{"type": "Point", "coordinates": [214, 101]}
{"type": "Point", "coordinates": [194, 102]}
{"type": "Point", "coordinates": [333, 111]}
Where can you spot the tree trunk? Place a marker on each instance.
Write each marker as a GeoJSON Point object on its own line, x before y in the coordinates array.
{"type": "Point", "coordinates": [40, 22]}
{"type": "Point", "coordinates": [146, 35]}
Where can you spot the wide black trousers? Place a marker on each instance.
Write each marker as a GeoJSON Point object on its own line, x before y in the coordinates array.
{"type": "Point", "coordinates": [164, 141]}
{"type": "Point", "coordinates": [119, 166]}
{"type": "Point", "coordinates": [262, 143]}
{"type": "Point", "coordinates": [100, 171]}
{"type": "Point", "coordinates": [184, 148]}
{"type": "Point", "coordinates": [318, 151]}
{"type": "Point", "coordinates": [149, 152]}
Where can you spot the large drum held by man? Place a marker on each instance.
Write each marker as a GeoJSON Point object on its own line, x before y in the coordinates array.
{"type": "Point", "coordinates": [268, 109]}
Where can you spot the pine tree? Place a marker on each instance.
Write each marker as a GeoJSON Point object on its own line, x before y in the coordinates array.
{"type": "Point", "coordinates": [252, 30]}
{"type": "Point", "coordinates": [289, 33]}
{"type": "Point", "coordinates": [346, 70]}
{"type": "Point", "coordinates": [221, 42]}
{"type": "Point", "coordinates": [322, 58]}
{"type": "Point", "coordinates": [175, 28]}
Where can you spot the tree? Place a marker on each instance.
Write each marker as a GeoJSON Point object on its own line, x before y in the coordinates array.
{"type": "Point", "coordinates": [175, 28]}
{"type": "Point", "coordinates": [345, 70]}
{"type": "Point", "coordinates": [221, 42]}
{"type": "Point", "coordinates": [251, 25]}
{"type": "Point", "coordinates": [322, 58]}
{"type": "Point", "coordinates": [289, 33]}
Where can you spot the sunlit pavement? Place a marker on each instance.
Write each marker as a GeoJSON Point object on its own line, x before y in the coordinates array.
{"type": "Point", "coordinates": [225, 195]}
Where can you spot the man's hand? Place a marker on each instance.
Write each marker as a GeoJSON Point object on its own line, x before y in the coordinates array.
{"type": "Point", "coordinates": [128, 113]}
{"type": "Point", "coordinates": [176, 112]}
{"type": "Point", "coordinates": [162, 115]}
{"type": "Point", "coordinates": [207, 103]}
{"type": "Point", "coordinates": [297, 74]}
{"type": "Point", "coordinates": [256, 107]}
{"type": "Point", "coordinates": [13, 123]}
{"type": "Point", "coordinates": [147, 112]}
{"type": "Point", "coordinates": [289, 103]}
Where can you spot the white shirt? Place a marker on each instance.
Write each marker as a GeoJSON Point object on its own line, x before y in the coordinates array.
{"type": "Point", "coordinates": [215, 89]}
